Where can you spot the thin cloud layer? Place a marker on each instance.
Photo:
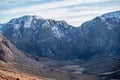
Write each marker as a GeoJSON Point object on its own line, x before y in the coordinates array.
{"type": "Point", "coordinates": [74, 12]}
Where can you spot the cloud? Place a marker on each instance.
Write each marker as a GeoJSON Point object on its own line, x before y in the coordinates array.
{"type": "Point", "coordinates": [74, 12]}
{"type": "Point", "coordinates": [54, 4]}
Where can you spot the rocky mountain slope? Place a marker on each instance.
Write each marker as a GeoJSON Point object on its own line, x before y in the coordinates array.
{"type": "Point", "coordinates": [9, 53]}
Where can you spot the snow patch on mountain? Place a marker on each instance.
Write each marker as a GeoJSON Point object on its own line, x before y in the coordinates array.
{"type": "Point", "coordinates": [16, 26]}
{"type": "Point", "coordinates": [57, 32]}
{"type": "Point", "coordinates": [46, 24]}
{"type": "Point", "coordinates": [28, 22]}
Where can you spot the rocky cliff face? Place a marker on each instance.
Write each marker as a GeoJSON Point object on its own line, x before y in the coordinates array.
{"type": "Point", "coordinates": [59, 40]}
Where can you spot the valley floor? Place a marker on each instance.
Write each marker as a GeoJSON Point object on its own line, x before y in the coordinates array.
{"type": "Point", "coordinates": [53, 70]}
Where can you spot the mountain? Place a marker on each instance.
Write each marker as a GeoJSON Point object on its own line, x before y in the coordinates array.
{"type": "Point", "coordinates": [59, 40]}
{"type": "Point", "coordinates": [101, 35]}
{"type": "Point", "coordinates": [40, 37]}
{"type": "Point", "coordinates": [101, 41]}
{"type": "Point", "coordinates": [96, 42]}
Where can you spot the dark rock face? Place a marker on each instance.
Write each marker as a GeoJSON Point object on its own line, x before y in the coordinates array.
{"type": "Point", "coordinates": [58, 40]}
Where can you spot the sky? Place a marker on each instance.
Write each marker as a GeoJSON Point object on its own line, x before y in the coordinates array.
{"type": "Point", "coordinates": [75, 12]}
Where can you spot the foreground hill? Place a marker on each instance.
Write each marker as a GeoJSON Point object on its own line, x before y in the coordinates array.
{"type": "Point", "coordinates": [9, 55]}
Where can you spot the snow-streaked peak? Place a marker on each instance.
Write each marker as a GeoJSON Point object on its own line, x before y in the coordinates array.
{"type": "Point", "coordinates": [24, 21]}
{"type": "Point", "coordinates": [58, 28]}
{"type": "Point", "coordinates": [27, 21]}
{"type": "Point", "coordinates": [115, 14]}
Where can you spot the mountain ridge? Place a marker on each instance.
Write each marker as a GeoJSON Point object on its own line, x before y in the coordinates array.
{"type": "Point", "coordinates": [50, 38]}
